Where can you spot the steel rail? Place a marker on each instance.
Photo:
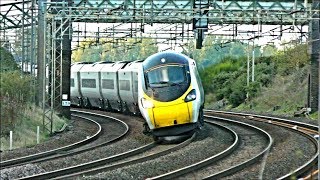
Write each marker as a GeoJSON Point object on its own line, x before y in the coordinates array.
{"type": "Point", "coordinates": [79, 169]}
{"type": "Point", "coordinates": [4, 164]}
{"type": "Point", "coordinates": [306, 166]}
{"type": "Point", "coordinates": [99, 165]}
{"type": "Point", "coordinates": [101, 115]}
{"type": "Point", "coordinates": [205, 162]}
{"type": "Point", "coordinates": [301, 124]}
{"type": "Point", "coordinates": [304, 129]}
{"type": "Point", "coordinates": [70, 153]}
{"type": "Point", "coordinates": [248, 162]}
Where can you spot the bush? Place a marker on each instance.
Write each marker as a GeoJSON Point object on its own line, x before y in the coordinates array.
{"type": "Point", "coordinates": [228, 79]}
{"type": "Point", "coordinates": [216, 76]}
{"type": "Point", "coordinates": [15, 93]}
{"type": "Point", "coordinates": [16, 86]}
{"type": "Point", "coordinates": [238, 87]}
{"type": "Point", "coordinates": [237, 97]}
{"type": "Point", "coordinates": [253, 89]}
{"type": "Point", "coordinates": [25, 132]}
{"type": "Point", "coordinates": [7, 61]}
{"type": "Point", "coordinates": [291, 59]}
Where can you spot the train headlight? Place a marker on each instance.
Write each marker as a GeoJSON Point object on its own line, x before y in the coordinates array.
{"type": "Point", "coordinates": [191, 96]}
{"type": "Point", "coordinates": [147, 104]}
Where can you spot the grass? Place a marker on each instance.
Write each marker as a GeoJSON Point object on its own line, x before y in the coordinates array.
{"type": "Point", "coordinates": [283, 97]}
{"type": "Point", "coordinates": [314, 116]}
{"type": "Point", "coordinates": [25, 130]}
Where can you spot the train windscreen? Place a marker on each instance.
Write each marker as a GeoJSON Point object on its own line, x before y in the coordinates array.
{"type": "Point", "coordinates": [166, 75]}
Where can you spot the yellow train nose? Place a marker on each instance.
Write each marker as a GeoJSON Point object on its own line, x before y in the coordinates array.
{"type": "Point", "coordinates": [171, 115]}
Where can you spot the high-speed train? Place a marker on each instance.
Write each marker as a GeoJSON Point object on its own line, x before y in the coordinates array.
{"type": "Point", "coordinates": [165, 89]}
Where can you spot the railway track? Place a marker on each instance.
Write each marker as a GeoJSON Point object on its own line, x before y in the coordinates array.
{"type": "Point", "coordinates": [87, 144]}
{"type": "Point", "coordinates": [185, 172]}
{"type": "Point", "coordinates": [142, 158]}
{"type": "Point", "coordinates": [244, 137]}
{"type": "Point", "coordinates": [101, 164]}
{"type": "Point", "coordinates": [114, 129]}
{"type": "Point", "coordinates": [149, 156]}
{"type": "Point", "coordinates": [139, 155]}
{"type": "Point", "coordinates": [29, 158]}
{"type": "Point", "coordinates": [308, 169]}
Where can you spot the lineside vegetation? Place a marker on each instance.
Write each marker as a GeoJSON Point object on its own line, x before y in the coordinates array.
{"type": "Point", "coordinates": [17, 110]}
{"type": "Point", "coordinates": [280, 85]}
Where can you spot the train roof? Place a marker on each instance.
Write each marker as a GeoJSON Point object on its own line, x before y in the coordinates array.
{"type": "Point", "coordinates": [77, 63]}
{"type": "Point", "coordinates": [132, 66]}
{"type": "Point", "coordinates": [166, 57]}
{"type": "Point", "coordinates": [105, 62]}
{"type": "Point", "coordinates": [106, 66]}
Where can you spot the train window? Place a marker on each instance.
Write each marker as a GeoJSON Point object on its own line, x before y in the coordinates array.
{"type": "Point", "coordinates": [166, 75]}
{"type": "Point", "coordinates": [124, 85]}
{"type": "Point", "coordinates": [88, 83]}
{"type": "Point", "coordinates": [72, 82]}
{"type": "Point", "coordinates": [107, 84]}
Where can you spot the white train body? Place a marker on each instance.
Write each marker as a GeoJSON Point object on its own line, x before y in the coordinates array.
{"type": "Point", "coordinates": [105, 85]}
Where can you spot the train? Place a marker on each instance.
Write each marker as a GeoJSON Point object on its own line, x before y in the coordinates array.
{"type": "Point", "coordinates": [165, 89]}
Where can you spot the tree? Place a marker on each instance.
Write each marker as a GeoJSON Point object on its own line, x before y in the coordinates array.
{"type": "Point", "coordinates": [291, 58]}
{"type": "Point", "coordinates": [269, 50]}
{"type": "Point", "coordinates": [7, 62]}
{"type": "Point", "coordinates": [15, 91]}
{"type": "Point", "coordinates": [237, 49]}
{"type": "Point", "coordinates": [115, 50]}
{"type": "Point", "coordinates": [81, 54]}
{"type": "Point", "coordinates": [147, 47]}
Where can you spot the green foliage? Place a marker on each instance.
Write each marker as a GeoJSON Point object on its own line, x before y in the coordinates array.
{"type": "Point", "coordinates": [238, 91]}
{"type": "Point", "coordinates": [15, 93]}
{"type": "Point", "coordinates": [215, 49]}
{"type": "Point", "coordinates": [16, 86]}
{"type": "Point", "coordinates": [253, 89]}
{"type": "Point", "coordinates": [269, 50]}
{"type": "Point", "coordinates": [226, 80]}
{"type": "Point", "coordinates": [291, 59]}
{"type": "Point", "coordinates": [25, 130]}
{"type": "Point", "coordinates": [111, 50]}
{"type": "Point", "coordinates": [220, 85]}
{"type": "Point", "coordinates": [16, 112]}
{"type": "Point", "coordinates": [216, 78]}
{"type": "Point", "coordinates": [237, 50]}
{"type": "Point", "coordinates": [315, 116]}
{"type": "Point", "coordinates": [286, 93]}
{"type": "Point", "coordinates": [266, 71]}
{"type": "Point", "coordinates": [7, 62]}
{"type": "Point", "coordinates": [236, 97]}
